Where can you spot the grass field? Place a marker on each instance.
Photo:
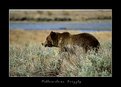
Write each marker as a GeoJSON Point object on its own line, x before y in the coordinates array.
{"type": "Point", "coordinates": [59, 15]}
{"type": "Point", "coordinates": [28, 58]}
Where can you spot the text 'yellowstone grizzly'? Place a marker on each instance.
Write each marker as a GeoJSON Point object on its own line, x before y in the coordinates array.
{"type": "Point", "coordinates": [65, 40]}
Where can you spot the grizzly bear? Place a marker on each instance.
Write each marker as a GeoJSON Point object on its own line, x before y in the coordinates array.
{"type": "Point", "coordinates": [65, 40]}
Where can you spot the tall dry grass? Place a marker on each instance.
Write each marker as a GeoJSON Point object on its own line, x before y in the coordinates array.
{"type": "Point", "coordinates": [28, 58]}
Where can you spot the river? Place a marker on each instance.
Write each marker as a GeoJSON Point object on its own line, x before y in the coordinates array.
{"type": "Point", "coordinates": [82, 26]}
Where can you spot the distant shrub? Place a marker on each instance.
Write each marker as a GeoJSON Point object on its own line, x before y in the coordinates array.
{"type": "Point", "coordinates": [40, 12]}
{"type": "Point", "coordinates": [49, 13]}
{"type": "Point", "coordinates": [65, 13]}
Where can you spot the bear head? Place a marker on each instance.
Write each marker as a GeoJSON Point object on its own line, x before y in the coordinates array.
{"type": "Point", "coordinates": [51, 40]}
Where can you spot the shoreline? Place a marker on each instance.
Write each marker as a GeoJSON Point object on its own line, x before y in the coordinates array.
{"type": "Point", "coordinates": [83, 21]}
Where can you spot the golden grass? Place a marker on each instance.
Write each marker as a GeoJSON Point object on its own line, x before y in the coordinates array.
{"type": "Point", "coordinates": [74, 15]}
{"type": "Point", "coordinates": [29, 58]}
{"type": "Point", "coordinates": [103, 36]}
{"type": "Point", "coordinates": [39, 36]}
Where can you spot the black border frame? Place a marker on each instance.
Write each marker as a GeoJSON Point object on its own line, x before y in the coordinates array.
{"type": "Point", "coordinates": [85, 81]}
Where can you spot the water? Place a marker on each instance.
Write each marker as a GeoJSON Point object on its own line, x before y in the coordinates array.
{"type": "Point", "coordinates": [97, 26]}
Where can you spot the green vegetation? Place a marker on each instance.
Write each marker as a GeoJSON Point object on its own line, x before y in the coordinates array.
{"type": "Point", "coordinates": [32, 59]}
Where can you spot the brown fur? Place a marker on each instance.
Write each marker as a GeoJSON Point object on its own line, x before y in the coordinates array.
{"type": "Point", "coordinates": [65, 40]}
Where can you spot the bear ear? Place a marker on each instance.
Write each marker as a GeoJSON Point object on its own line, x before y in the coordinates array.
{"type": "Point", "coordinates": [51, 31]}
{"type": "Point", "coordinates": [53, 34]}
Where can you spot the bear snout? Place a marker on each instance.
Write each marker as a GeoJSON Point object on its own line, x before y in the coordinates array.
{"type": "Point", "coordinates": [46, 45]}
